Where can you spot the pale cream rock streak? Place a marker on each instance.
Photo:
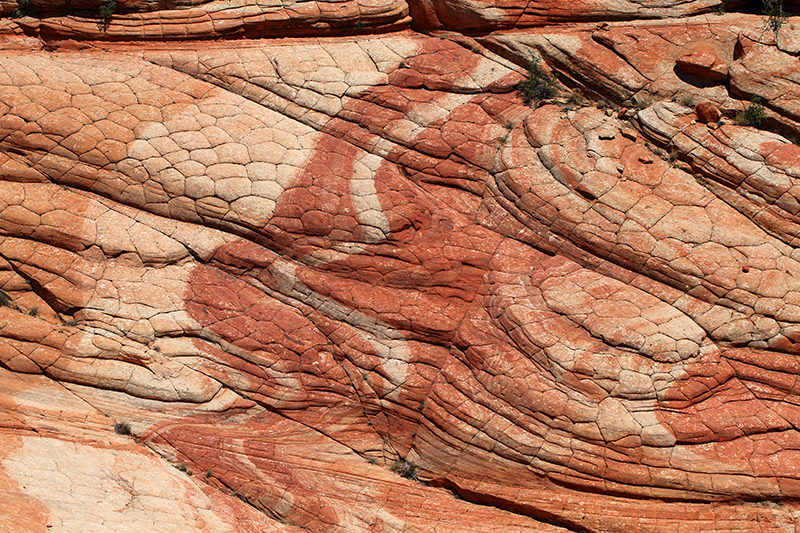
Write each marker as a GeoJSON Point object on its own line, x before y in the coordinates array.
{"type": "Point", "coordinates": [626, 316]}
{"type": "Point", "coordinates": [104, 361]}
{"type": "Point", "coordinates": [389, 344]}
{"type": "Point", "coordinates": [365, 199]}
{"type": "Point", "coordinates": [107, 490]}
{"type": "Point", "coordinates": [217, 145]}
{"type": "Point", "coordinates": [141, 302]}
{"type": "Point", "coordinates": [774, 278]}
{"type": "Point", "coordinates": [286, 502]}
{"type": "Point", "coordinates": [396, 355]}
{"type": "Point", "coordinates": [564, 345]}
{"type": "Point", "coordinates": [321, 80]}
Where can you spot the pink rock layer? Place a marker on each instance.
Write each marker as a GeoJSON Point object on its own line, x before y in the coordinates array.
{"type": "Point", "coordinates": [356, 284]}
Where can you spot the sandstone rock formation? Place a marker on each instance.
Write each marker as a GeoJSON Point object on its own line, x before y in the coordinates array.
{"type": "Point", "coordinates": [346, 280]}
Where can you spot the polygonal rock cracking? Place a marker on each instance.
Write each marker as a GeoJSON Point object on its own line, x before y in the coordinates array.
{"type": "Point", "coordinates": [286, 269]}
{"type": "Point", "coordinates": [479, 15]}
{"type": "Point", "coordinates": [635, 63]}
{"type": "Point", "coordinates": [207, 19]}
{"type": "Point", "coordinates": [767, 71]}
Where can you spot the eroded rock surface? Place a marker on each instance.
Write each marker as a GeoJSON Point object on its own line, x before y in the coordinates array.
{"type": "Point", "coordinates": [354, 283]}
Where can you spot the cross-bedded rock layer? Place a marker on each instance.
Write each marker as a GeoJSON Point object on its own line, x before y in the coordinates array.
{"type": "Point", "coordinates": [356, 283]}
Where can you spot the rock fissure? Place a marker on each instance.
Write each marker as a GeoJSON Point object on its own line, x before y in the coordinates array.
{"type": "Point", "coordinates": [290, 263]}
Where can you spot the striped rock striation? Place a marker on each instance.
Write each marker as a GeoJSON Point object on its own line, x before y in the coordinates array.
{"type": "Point", "coordinates": [348, 280]}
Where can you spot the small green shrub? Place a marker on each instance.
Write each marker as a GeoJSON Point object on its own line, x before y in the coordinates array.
{"type": "Point", "coordinates": [673, 154]}
{"type": "Point", "coordinates": [538, 85]}
{"type": "Point", "coordinates": [405, 470]}
{"type": "Point", "coordinates": [122, 428]}
{"type": "Point", "coordinates": [33, 311]}
{"type": "Point", "coordinates": [641, 103]}
{"type": "Point", "coordinates": [5, 299]}
{"type": "Point", "coordinates": [776, 16]}
{"type": "Point", "coordinates": [752, 115]}
{"type": "Point", "coordinates": [687, 101]}
{"type": "Point", "coordinates": [24, 9]}
{"type": "Point", "coordinates": [602, 103]}
{"type": "Point", "coordinates": [183, 468]}
{"type": "Point", "coordinates": [108, 9]}
{"type": "Point", "coordinates": [719, 10]}
{"type": "Point", "coordinates": [576, 96]}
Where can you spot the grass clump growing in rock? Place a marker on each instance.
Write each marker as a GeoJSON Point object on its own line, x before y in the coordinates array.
{"type": "Point", "coordinates": [183, 468]}
{"type": "Point", "coordinates": [405, 470]}
{"type": "Point", "coordinates": [539, 85]}
{"type": "Point", "coordinates": [776, 16]}
{"type": "Point", "coordinates": [24, 9]}
{"type": "Point", "coordinates": [752, 115]}
{"type": "Point", "coordinates": [108, 9]}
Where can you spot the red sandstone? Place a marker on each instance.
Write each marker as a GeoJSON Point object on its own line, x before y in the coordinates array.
{"type": "Point", "coordinates": [346, 280]}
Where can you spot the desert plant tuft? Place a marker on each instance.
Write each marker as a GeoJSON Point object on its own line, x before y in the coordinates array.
{"type": "Point", "coordinates": [183, 468]}
{"type": "Point", "coordinates": [539, 85]}
{"type": "Point", "coordinates": [687, 101]}
{"type": "Point", "coordinates": [641, 103]}
{"type": "Point", "coordinates": [673, 154]}
{"type": "Point", "coordinates": [576, 96]}
{"type": "Point", "coordinates": [660, 152]}
{"type": "Point", "coordinates": [406, 470]}
{"type": "Point", "coordinates": [108, 9]}
{"type": "Point", "coordinates": [752, 114]}
{"type": "Point", "coordinates": [776, 16]}
{"type": "Point", "coordinates": [122, 428]}
{"type": "Point", "coordinates": [33, 311]}
{"type": "Point", "coordinates": [5, 299]}
{"type": "Point", "coordinates": [23, 9]}
{"type": "Point", "coordinates": [719, 10]}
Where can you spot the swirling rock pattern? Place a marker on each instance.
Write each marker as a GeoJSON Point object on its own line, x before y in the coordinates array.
{"type": "Point", "coordinates": [353, 283]}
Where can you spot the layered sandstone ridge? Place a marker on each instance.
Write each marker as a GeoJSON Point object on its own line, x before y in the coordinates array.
{"type": "Point", "coordinates": [208, 19]}
{"type": "Point", "coordinates": [352, 282]}
{"type": "Point", "coordinates": [214, 19]}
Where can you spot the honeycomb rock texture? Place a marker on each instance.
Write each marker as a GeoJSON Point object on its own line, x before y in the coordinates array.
{"type": "Point", "coordinates": [272, 266]}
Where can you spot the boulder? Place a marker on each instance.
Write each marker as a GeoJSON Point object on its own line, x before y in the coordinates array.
{"type": "Point", "coordinates": [707, 112]}
{"type": "Point", "coordinates": [704, 64]}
